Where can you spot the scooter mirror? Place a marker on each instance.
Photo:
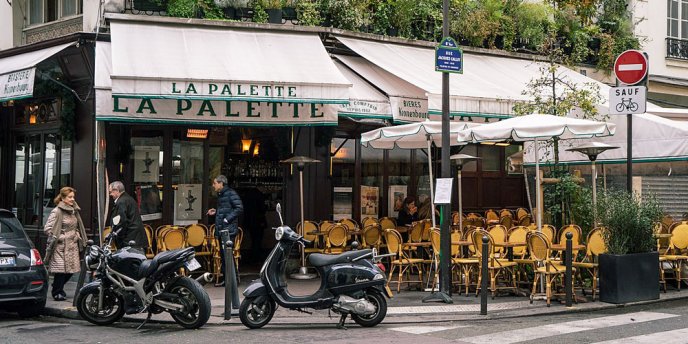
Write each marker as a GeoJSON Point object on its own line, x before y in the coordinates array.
{"type": "Point", "coordinates": [278, 208]}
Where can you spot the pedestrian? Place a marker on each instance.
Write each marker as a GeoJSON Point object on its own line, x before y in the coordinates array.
{"type": "Point", "coordinates": [229, 207]}
{"type": "Point", "coordinates": [408, 213]}
{"type": "Point", "coordinates": [66, 241]}
{"type": "Point", "coordinates": [129, 219]}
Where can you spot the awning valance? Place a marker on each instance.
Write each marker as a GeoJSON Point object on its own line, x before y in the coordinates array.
{"type": "Point", "coordinates": [364, 100]}
{"type": "Point", "coordinates": [17, 73]}
{"type": "Point", "coordinates": [216, 75]}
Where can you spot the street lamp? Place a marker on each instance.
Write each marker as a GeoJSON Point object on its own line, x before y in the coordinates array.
{"type": "Point", "coordinates": [592, 150]}
{"type": "Point", "coordinates": [300, 162]}
{"type": "Point", "coordinates": [461, 159]}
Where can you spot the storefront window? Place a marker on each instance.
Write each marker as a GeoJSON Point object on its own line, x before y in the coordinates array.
{"type": "Point", "coordinates": [490, 158]}
{"type": "Point", "coordinates": [147, 162]}
{"type": "Point", "coordinates": [422, 191]}
{"type": "Point", "coordinates": [371, 181]}
{"type": "Point", "coordinates": [343, 169]}
{"type": "Point", "coordinates": [187, 180]}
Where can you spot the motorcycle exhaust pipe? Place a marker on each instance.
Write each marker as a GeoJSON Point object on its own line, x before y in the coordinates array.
{"type": "Point", "coordinates": [205, 278]}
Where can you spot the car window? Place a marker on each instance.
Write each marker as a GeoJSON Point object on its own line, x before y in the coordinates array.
{"type": "Point", "coordinates": [10, 227]}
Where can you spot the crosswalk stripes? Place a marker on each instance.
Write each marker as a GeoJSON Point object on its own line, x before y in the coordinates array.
{"type": "Point", "coordinates": [550, 330]}
{"type": "Point", "coordinates": [424, 329]}
{"type": "Point", "coordinates": [679, 336]}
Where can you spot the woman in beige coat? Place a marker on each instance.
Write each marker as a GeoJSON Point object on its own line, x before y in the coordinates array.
{"type": "Point", "coordinates": [66, 238]}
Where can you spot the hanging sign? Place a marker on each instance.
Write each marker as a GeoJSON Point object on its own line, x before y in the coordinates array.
{"type": "Point", "coordinates": [449, 57]}
{"type": "Point", "coordinates": [17, 84]}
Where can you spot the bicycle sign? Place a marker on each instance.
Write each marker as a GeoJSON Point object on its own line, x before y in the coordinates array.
{"type": "Point", "coordinates": [627, 100]}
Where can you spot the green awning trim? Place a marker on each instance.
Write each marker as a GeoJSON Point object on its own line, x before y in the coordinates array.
{"type": "Point", "coordinates": [470, 114]}
{"type": "Point", "coordinates": [211, 123]}
{"type": "Point", "coordinates": [242, 99]}
{"type": "Point", "coordinates": [614, 161]}
{"type": "Point", "coordinates": [360, 115]}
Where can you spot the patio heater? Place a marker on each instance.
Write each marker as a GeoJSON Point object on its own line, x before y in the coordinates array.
{"type": "Point", "coordinates": [592, 150]}
{"type": "Point", "coordinates": [300, 162]}
{"type": "Point", "coordinates": [461, 159]}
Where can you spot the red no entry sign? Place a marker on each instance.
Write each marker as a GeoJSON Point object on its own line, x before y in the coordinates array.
{"type": "Point", "coordinates": [630, 67]}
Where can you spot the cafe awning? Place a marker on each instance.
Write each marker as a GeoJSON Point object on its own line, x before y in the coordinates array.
{"type": "Point", "coordinates": [364, 100]}
{"type": "Point", "coordinates": [174, 71]}
{"type": "Point", "coordinates": [18, 72]}
{"type": "Point", "coordinates": [489, 87]}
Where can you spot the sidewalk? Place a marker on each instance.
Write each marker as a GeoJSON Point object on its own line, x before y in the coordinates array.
{"type": "Point", "coordinates": [405, 307]}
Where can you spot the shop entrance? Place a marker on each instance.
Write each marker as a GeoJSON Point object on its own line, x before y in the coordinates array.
{"type": "Point", "coordinates": [249, 158]}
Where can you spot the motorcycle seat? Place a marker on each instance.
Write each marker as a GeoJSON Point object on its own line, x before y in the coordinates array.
{"type": "Point", "coordinates": [148, 266]}
{"type": "Point", "coordinates": [317, 259]}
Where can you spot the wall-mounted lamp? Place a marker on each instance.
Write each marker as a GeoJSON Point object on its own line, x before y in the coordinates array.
{"type": "Point", "coordinates": [246, 145]}
{"type": "Point", "coordinates": [256, 149]}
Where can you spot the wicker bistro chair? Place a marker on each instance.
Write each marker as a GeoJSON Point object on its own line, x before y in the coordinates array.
{"type": "Point", "coordinates": [547, 269]}
{"type": "Point", "coordinates": [505, 212]}
{"type": "Point", "coordinates": [173, 238]}
{"type": "Point", "coordinates": [594, 247]}
{"type": "Point", "coordinates": [350, 224]}
{"type": "Point", "coordinates": [238, 239]}
{"type": "Point", "coordinates": [388, 223]}
{"type": "Point", "coordinates": [497, 267]}
{"type": "Point", "coordinates": [335, 241]}
{"type": "Point", "coordinates": [507, 221]}
{"type": "Point", "coordinates": [367, 221]}
{"type": "Point", "coordinates": [499, 236]}
{"type": "Point", "coordinates": [526, 220]}
{"type": "Point", "coordinates": [576, 239]}
{"type": "Point", "coordinates": [491, 216]}
{"type": "Point", "coordinates": [520, 253]}
{"type": "Point", "coordinates": [401, 262]}
{"type": "Point", "coordinates": [547, 230]}
{"type": "Point", "coordinates": [372, 236]}
{"type": "Point", "coordinates": [197, 237]}
{"type": "Point", "coordinates": [456, 260]}
{"type": "Point", "coordinates": [310, 227]}
{"type": "Point", "coordinates": [414, 236]}
{"type": "Point", "coordinates": [150, 254]}
{"type": "Point", "coordinates": [521, 213]}
{"type": "Point", "coordinates": [677, 255]}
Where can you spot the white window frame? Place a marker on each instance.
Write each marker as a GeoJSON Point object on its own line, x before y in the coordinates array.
{"type": "Point", "coordinates": [59, 5]}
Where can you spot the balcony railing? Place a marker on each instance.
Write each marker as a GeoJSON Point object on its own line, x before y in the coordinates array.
{"type": "Point", "coordinates": [677, 48]}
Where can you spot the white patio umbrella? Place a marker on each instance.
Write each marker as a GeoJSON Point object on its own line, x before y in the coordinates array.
{"type": "Point", "coordinates": [536, 127]}
{"type": "Point", "coordinates": [414, 136]}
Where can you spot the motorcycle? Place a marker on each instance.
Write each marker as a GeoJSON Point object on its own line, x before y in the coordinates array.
{"type": "Point", "coordinates": [127, 282]}
{"type": "Point", "coordinates": [351, 283]}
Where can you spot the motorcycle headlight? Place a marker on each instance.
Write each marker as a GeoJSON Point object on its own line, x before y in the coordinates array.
{"type": "Point", "coordinates": [279, 232]}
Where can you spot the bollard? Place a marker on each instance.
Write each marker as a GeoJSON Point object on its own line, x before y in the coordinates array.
{"type": "Point", "coordinates": [485, 276]}
{"type": "Point", "coordinates": [569, 269]}
{"type": "Point", "coordinates": [229, 259]}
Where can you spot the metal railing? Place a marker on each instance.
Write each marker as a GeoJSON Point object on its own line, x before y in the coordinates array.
{"type": "Point", "coordinates": [677, 48]}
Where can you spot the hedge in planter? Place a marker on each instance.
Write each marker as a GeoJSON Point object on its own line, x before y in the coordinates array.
{"type": "Point", "coordinates": [629, 272]}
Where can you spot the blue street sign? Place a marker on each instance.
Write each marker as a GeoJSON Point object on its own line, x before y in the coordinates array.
{"type": "Point", "coordinates": [448, 57]}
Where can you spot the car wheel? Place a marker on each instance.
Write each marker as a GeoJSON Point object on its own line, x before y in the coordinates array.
{"type": "Point", "coordinates": [31, 310]}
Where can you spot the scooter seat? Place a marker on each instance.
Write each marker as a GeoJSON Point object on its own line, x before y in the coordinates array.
{"type": "Point", "coordinates": [317, 259]}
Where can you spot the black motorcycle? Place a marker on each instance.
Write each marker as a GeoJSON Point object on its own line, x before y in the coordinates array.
{"type": "Point", "coordinates": [351, 283]}
{"type": "Point", "coordinates": [126, 282]}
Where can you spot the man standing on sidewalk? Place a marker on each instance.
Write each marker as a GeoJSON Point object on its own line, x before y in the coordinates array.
{"type": "Point", "coordinates": [129, 218]}
{"type": "Point", "coordinates": [229, 207]}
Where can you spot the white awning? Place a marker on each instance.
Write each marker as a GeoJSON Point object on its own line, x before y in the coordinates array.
{"type": "Point", "coordinates": [489, 87]}
{"type": "Point", "coordinates": [217, 75]}
{"type": "Point", "coordinates": [17, 73]}
{"type": "Point", "coordinates": [364, 100]}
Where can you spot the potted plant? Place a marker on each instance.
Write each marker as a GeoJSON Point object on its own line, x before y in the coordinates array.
{"type": "Point", "coordinates": [629, 271]}
{"type": "Point", "coordinates": [274, 10]}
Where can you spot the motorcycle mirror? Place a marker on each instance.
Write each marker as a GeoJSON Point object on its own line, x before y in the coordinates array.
{"type": "Point", "coordinates": [89, 242]}
{"type": "Point", "coordinates": [278, 208]}
{"type": "Point", "coordinates": [131, 243]}
{"type": "Point", "coordinates": [115, 220]}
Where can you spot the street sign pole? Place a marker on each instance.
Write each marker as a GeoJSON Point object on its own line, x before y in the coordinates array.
{"type": "Point", "coordinates": [445, 249]}
{"type": "Point", "coordinates": [631, 67]}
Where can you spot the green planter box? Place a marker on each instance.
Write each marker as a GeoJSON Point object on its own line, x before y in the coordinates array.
{"type": "Point", "coordinates": [628, 278]}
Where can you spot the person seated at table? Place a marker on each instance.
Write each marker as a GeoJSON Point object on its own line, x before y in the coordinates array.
{"type": "Point", "coordinates": [408, 213]}
{"type": "Point", "coordinates": [425, 210]}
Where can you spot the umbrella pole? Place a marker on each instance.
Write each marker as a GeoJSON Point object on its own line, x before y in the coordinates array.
{"type": "Point", "coordinates": [432, 192]}
{"type": "Point", "coordinates": [538, 200]}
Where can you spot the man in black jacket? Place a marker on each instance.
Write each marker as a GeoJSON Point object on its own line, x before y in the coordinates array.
{"type": "Point", "coordinates": [229, 207]}
{"type": "Point", "coordinates": [129, 218]}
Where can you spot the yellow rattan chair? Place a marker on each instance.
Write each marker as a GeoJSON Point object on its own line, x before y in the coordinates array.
{"type": "Point", "coordinates": [173, 238]}
{"type": "Point", "coordinates": [350, 224]}
{"type": "Point", "coordinates": [595, 246]}
{"type": "Point", "coordinates": [336, 239]}
{"type": "Point", "coordinates": [197, 237]}
{"type": "Point", "coordinates": [367, 221]}
{"type": "Point", "coordinates": [547, 269]}
{"type": "Point", "coordinates": [547, 230]}
{"type": "Point", "coordinates": [238, 239]}
{"type": "Point", "coordinates": [575, 239]}
{"type": "Point", "coordinates": [308, 230]}
{"type": "Point", "coordinates": [372, 236]}
{"type": "Point", "coordinates": [519, 234]}
{"type": "Point", "coordinates": [521, 213]}
{"type": "Point", "coordinates": [497, 267]}
{"type": "Point", "coordinates": [388, 223]}
{"type": "Point", "coordinates": [402, 263]}
{"type": "Point", "coordinates": [149, 235]}
{"type": "Point", "coordinates": [507, 221]}
{"type": "Point", "coordinates": [505, 212]}
{"type": "Point", "coordinates": [677, 256]}
{"type": "Point", "coordinates": [491, 216]}
{"type": "Point", "coordinates": [499, 236]}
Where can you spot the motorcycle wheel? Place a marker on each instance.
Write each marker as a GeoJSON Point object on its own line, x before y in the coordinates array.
{"type": "Point", "coordinates": [380, 303]}
{"type": "Point", "coordinates": [113, 307]}
{"type": "Point", "coordinates": [195, 300]}
{"type": "Point", "coordinates": [256, 312]}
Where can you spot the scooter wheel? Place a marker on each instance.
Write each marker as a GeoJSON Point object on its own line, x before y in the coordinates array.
{"type": "Point", "coordinates": [256, 312]}
{"type": "Point", "coordinates": [380, 303]}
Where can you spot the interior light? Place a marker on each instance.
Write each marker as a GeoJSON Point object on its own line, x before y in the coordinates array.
{"type": "Point", "coordinates": [256, 149]}
{"type": "Point", "coordinates": [197, 133]}
{"type": "Point", "coordinates": [245, 145]}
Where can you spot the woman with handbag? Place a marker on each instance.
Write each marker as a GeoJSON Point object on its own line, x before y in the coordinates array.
{"type": "Point", "coordinates": [66, 239]}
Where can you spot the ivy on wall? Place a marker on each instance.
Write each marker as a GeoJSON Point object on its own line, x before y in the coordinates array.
{"type": "Point", "coordinates": [46, 88]}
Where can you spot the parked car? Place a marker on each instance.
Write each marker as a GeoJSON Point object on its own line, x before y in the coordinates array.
{"type": "Point", "coordinates": [23, 277]}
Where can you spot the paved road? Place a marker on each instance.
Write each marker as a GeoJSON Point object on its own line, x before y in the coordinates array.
{"type": "Point", "coordinates": [664, 323]}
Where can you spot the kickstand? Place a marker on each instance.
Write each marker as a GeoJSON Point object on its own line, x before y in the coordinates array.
{"type": "Point", "coordinates": [340, 325]}
{"type": "Point", "coordinates": [150, 314]}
